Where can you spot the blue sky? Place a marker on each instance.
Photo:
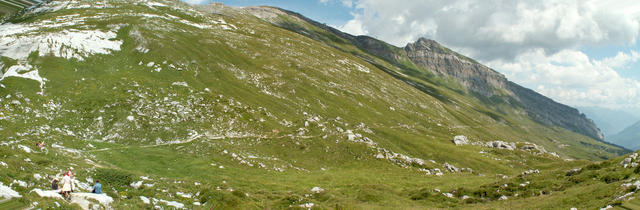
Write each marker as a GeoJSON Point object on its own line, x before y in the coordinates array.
{"type": "Point", "coordinates": [331, 13]}
{"type": "Point", "coordinates": [581, 53]}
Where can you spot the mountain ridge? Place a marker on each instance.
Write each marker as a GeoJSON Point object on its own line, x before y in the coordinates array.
{"type": "Point", "coordinates": [610, 121]}
{"type": "Point", "coordinates": [629, 137]}
{"type": "Point", "coordinates": [433, 57]}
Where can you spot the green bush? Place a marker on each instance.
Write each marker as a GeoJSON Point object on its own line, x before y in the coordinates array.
{"type": "Point", "coordinates": [614, 177]}
{"type": "Point", "coordinates": [238, 194]}
{"type": "Point", "coordinates": [422, 194]}
{"type": "Point", "coordinates": [461, 192]}
{"type": "Point", "coordinates": [220, 198]}
{"type": "Point", "coordinates": [577, 179]}
{"type": "Point", "coordinates": [113, 177]}
{"type": "Point", "coordinates": [593, 166]}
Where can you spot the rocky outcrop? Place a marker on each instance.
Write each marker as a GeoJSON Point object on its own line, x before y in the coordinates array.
{"type": "Point", "coordinates": [631, 161]}
{"type": "Point", "coordinates": [486, 82]}
{"type": "Point", "coordinates": [528, 146]}
{"type": "Point", "coordinates": [474, 76]}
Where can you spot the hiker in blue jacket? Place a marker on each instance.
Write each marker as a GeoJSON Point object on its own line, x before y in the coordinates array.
{"type": "Point", "coordinates": [97, 188]}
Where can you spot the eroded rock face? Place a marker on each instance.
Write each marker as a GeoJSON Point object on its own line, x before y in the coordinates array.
{"type": "Point", "coordinates": [474, 76]}
{"type": "Point", "coordinates": [480, 79]}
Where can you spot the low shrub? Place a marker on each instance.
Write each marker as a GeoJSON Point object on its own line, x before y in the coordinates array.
{"type": "Point", "coordinates": [113, 177]}
{"type": "Point", "coordinates": [614, 176]}
{"type": "Point", "coordinates": [220, 198]}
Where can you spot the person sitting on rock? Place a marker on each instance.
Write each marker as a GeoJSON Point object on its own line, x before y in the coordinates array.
{"type": "Point", "coordinates": [54, 184]}
{"type": "Point", "coordinates": [97, 188]}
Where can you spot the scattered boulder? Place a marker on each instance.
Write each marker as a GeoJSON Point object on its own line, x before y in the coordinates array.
{"type": "Point", "coordinates": [635, 185]}
{"type": "Point", "coordinates": [528, 147]}
{"type": "Point", "coordinates": [437, 171]}
{"type": "Point", "coordinates": [450, 167]}
{"type": "Point", "coordinates": [317, 190]}
{"type": "Point", "coordinates": [501, 145]}
{"type": "Point", "coordinates": [136, 185]}
{"type": "Point", "coordinates": [532, 171]}
{"type": "Point", "coordinates": [460, 140]}
{"type": "Point", "coordinates": [574, 171]}
{"type": "Point", "coordinates": [504, 197]}
{"type": "Point", "coordinates": [631, 161]}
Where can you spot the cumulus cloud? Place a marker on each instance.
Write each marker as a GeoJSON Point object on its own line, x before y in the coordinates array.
{"type": "Point", "coordinates": [347, 3]}
{"type": "Point", "coordinates": [501, 29]}
{"type": "Point", "coordinates": [533, 42]}
{"type": "Point", "coordinates": [353, 27]}
{"type": "Point", "coordinates": [570, 77]}
{"type": "Point", "coordinates": [324, 1]}
{"type": "Point", "coordinates": [622, 59]}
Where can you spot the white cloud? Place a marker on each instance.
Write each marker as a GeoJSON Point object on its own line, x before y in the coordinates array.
{"type": "Point", "coordinates": [570, 77]}
{"type": "Point", "coordinates": [347, 3]}
{"type": "Point", "coordinates": [533, 42]}
{"type": "Point", "coordinates": [353, 27]}
{"type": "Point", "coordinates": [502, 29]}
{"type": "Point", "coordinates": [325, 2]}
{"type": "Point", "coordinates": [622, 59]}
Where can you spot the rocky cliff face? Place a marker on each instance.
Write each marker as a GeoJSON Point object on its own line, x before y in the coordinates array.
{"type": "Point", "coordinates": [480, 79]}
{"type": "Point", "coordinates": [474, 76]}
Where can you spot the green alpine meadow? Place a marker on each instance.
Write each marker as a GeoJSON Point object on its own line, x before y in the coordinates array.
{"type": "Point", "coordinates": [177, 106]}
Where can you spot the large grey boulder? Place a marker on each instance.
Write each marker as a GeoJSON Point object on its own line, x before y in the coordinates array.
{"type": "Point", "coordinates": [501, 145]}
{"type": "Point", "coordinates": [450, 167]}
{"type": "Point", "coordinates": [460, 140]}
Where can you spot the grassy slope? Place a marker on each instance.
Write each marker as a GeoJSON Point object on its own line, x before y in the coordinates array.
{"type": "Point", "coordinates": [467, 105]}
{"type": "Point", "coordinates": [256, 72]}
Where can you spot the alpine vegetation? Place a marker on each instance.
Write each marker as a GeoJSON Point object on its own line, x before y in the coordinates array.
{"type": "Point", "coordinates": [127, 104]}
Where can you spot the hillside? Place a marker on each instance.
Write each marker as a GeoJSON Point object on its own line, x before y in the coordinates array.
{"type": "Point", "coordinates": [177, 106]}
{"type": "Point", "coordinates": [628, 138]}
{"type": "Point", "coordinates": [426, 59]}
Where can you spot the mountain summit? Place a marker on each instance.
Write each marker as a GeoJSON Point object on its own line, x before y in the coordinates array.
{"type": "Point", "coordinates": [428, 57]}
{"type": "Point", "coordinates": [172, 105]}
